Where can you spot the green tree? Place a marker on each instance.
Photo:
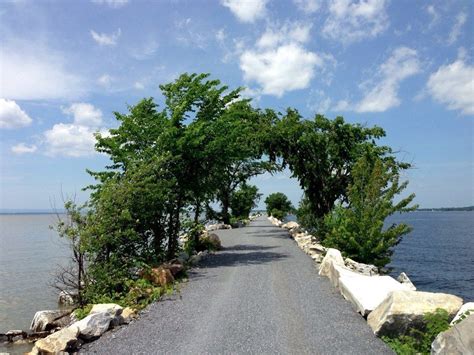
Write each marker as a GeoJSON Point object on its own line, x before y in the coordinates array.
{"type": "Point", "coordinates": [278, 205]}
{"type": "Point", "coordinates": [358, 229]}
{"type": "Point", "coordinates": [243, 200]}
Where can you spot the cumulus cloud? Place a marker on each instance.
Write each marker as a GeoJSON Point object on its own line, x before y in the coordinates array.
{"type": "Point", "coordinates": [402, 64]}
{"type": "Point", "coordinates": [351, 20]}
{"type": "Point", "coordinates": [12, 116]}
{"type": "Point", "coordinates": [32, 71]}
{"type": "Point", "coordinates": [279, 62]}
{"type": "Point", "coordinates": [104, 39]}
{"type": "Point", "coordinates": [246, 10]}
{"type": "Point", "coordinates": [308, 6]}
{"type": "Point", "coordinates": [22, 148]}
{"type": "Point", "coordinates": [70, 140]}
{"type": "Point", "coordinates": [457, 27]}
{"type": "Point", "coordinates": [84, 114]}
{"type": "Point", "coordinates": [453, 86]}
{"type": "Point", "coordinates": [115, 4]}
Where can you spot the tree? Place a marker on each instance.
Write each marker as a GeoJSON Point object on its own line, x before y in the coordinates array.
{"type": "Point", "coordinates": [320, 154]}
{"type": "Point", "coordinates": [243, 200]}
{"type": "Point", "coordinates": [278, 205]}
{"type": "Point", "coordinates": [358, 229]}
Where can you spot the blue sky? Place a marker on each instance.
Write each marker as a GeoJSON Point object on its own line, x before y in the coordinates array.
{"type": "Point", "coordinates": [67, 65]}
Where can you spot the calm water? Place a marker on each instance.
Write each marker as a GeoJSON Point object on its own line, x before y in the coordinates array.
{"type": "Point", "coordinates": [29, 255]}
{"type": "Point", "coordinates": [438, 256]}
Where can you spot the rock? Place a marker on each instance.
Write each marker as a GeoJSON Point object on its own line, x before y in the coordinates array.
{"type": "Point", "coordinates": [403, 310]}
{"type": "Point", "coordinates": [213, 227]}
{"type": "Point", "coordinates": [158, 276]}
{"type": "Point", "coordinates": [333, 256]}
{"type": "Point", "coordinates": [215, 241]}
{"type": "Point", "coordinates": [11, 335]}
{"type": "Point", "coordinates": [290, 225]}
{"type": "Point", "coordinates": [466, 310]}
{"type": "Point", "coordinates": [51, 319]}
{"type": "Point", "coordinates": [128, 314]}
{"type": "Point", "coordinates": [94, 325]}
{"type": "Point", "coordinates": [66, 298]}
{"type": "Point", "coordinates": [457, 340]}
{"type": "Point", "coordinates": [183, 257]}
{"type": "Point", "coordinates": [361, 268]}
{"type": "Point", "coordinates": [174, 266]}
{"type": "Point", "coordinates": [404, 280]}
{"type": "Point", "coordinates": [367, 292]}
{"type": "Point", "coordinates": [165, 277]}
{"type": "Point", "coordinates": [63, 340]}
{"type": "Point", "coordinates": [111, 309]}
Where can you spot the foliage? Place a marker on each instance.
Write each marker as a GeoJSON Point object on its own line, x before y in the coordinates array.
{"type": "Point", "coordinates": [278, 205]}
{"type": "Point", "coordinates": [83, 312]}
{"type": "Point", "coordinates": [358, 229]}
{"type": "Point", "coordinates": [419, 341]}
{"type": "Point", "coordinates": [321, 153]}
{"type": "Point", "coordinates": [243, 200]}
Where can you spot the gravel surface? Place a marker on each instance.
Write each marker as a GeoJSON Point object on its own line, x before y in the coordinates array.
{"type": "Point", "coordinates": [260, 295]}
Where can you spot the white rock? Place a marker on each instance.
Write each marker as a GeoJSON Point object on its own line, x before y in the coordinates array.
{"type": "Point", "coordinates": [290, 225]}
{"type": "Point", "coordinates": [457, 340]}
{"type": "Point", "coordinates": [333, 256]}
{"type": "Point", "coordinates": [49, 319]}
{"type": "Point", "coordinates": [65, 298]}
{"type": "Point", "coordinates": [466, 309]}
{"type": "Point", "coordinates": [403, 279]}
{"type": "Point", "coordinates": [112, 309]}
{"type": "Point", "coordinates": [367, 292]}
{"type": "Point", "coordinates": [364, 269]}
{"type": "Point", "coordinates": [94, 325]}
{"type": "Point", "coordinates": [63, 340]}
{"type": "Point", "coordinates": [404, 310]}
{"type": "Point", "coordinates": [213, 227]}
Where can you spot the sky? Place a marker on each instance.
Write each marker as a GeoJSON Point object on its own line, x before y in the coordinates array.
{"type": "Point", "coordinates": [66, 66]}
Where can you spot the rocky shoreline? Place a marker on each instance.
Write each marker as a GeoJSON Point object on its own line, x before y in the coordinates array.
{"type": "Point", "coordinates": [391, 307]}
{"type": "Point", "coordinates": [58, 331]}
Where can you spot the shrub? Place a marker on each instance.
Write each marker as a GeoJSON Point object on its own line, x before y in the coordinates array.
{"type": "Point", "coordinates": [419, 341]}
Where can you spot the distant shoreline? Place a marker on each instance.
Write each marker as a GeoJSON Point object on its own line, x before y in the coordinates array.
{"type": "Point", "coordinates": [447, 209]}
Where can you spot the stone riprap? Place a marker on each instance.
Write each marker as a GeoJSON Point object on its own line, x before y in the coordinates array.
{"type": "Point", "coordinates": [459, 339]}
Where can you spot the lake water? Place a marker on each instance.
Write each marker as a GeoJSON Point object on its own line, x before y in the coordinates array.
{"type": "Point", "coordinates": [438, 256]}
{"type": "Point", "coordinates": [29, 255]}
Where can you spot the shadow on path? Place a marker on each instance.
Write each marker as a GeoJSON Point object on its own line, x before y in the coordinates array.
{"type": "Point", "coordinates": [237, 259]}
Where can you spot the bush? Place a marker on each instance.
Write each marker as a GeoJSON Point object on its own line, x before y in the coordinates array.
{"type": "Point", "coordinates": [419, 341]}
{"type": "Point", "coordinates": [243, 200]}
{"type": "Point", "coordinates": [278, 205]}
{"type": "Point", "coordinates": [358, 229]}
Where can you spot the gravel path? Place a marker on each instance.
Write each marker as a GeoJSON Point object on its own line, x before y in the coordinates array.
{"type": "Point", "coordinates": [260, 295]}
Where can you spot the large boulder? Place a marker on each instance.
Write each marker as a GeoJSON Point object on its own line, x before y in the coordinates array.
{"type": "Point", "coordinates": [403, 310]}
{"type": "Point", "coordinates": [214, 227]}
{"type": "Point", "coordinates": [175, 266]}
{"type": "Point", "coordinates": [333, 256]}
{"type": "Point", "coordinates": [466, 310]}
{"type": "Point", "coordinates": [50, 319]}
{"type": "Point", "coordinates": [158, 276]}
{"type": "Point", "coordinates": [112, 309]}
{"type": "Point", "coordinates": [210, 241]}
{"type": "Point", "coordinates": [459, 339]}
{"type": "Point", "coordinates": [364, 269]}
{"type": "Point", "coordinates": [367, 292]}
{"type": "Point", "coordinates": [94, 325]}
{"type": "Point", "coordinates": [63, 340]}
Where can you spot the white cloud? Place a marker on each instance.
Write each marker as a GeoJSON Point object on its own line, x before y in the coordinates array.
{"type": "Point", "coordinates": [402, 64]}
{"type": "Point", "coordinates": [456, 30]}
{"type": "Point", "coordinates": [246, 10]}
{"type": "Point", "coordinates": [105, 80]}
{"type": "Point", "coordinates": [342, 105]}
{"type": "Point", "coordinates": [22, 148]}
{"type": "Point", "coordinates": [434, 15]}
{"type": "Point", "coordinates": [308, 6]}
{"type": "Point", "coordinates": [12, 116]}
{"type": "Point", "coordinates": [318, 102]}
{"type": "Point", "coordinates": [146, 51]}
{"type": "Point", "coordinates": [279, 62]}
{"type": "Point", "coordinates": [351, 20]}
{"type": "Point", "coordinates": [115, 4]}
{"type": "Point", "coordinates": [84, 114]}
{"type": "Point", "coordinates": [221, 35]}
{"type": "Point", "coordinates": [139, 85]}
{"type": "Point", "coordinates": [104, 39]}
{"type": "Point", "coordinates": [70, 140]}
{"type": "Point", "coordinates": [453, 85]}
{"type": "Point", "coordinates": [32, 71]}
